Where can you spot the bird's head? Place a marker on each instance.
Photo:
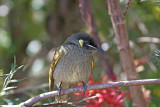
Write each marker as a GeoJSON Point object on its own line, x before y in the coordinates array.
{"type": "Point", "coordinates": [83, 40]}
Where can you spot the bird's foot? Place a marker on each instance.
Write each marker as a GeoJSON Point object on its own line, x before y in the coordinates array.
{"type": "Point", "coordinates": [84, 86]}
{"type": "Point", "coordinates": [60, 90]}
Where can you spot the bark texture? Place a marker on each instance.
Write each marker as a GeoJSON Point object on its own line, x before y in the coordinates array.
{"type": "Point", "coordinates": [118, 22]}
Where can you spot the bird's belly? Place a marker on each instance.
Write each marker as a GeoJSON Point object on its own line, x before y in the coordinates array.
{"type": "Point", "coordinates": [73, 70]}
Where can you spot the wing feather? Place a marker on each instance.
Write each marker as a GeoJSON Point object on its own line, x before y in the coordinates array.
{"type": "Point", "coordinates": [56, 57]}
{"type": "Point", "coordinates": [92, 63]}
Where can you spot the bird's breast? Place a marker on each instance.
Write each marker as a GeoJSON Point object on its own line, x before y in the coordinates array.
{"type": "Point", "coordinates": [74, 65]}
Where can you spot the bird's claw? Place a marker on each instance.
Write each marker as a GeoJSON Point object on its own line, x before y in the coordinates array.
{"type": "Point", "coordinates": [60, 89]}
{"type": "Point", "coordinates": [84, 87]}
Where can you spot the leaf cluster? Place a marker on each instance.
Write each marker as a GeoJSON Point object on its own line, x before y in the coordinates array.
{"type": "Point", "coordinates": [9, 78]}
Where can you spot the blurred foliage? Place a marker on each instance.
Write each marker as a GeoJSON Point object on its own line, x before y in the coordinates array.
{"type": "Point", "coordinates": [30, 29]}
{"type": "Point", "coordinates": [156, 58]}
{"type": "Point", "coordinates": [154, 2]}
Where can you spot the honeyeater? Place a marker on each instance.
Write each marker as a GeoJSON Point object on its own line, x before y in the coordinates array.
{"type": "Point", "coordinates": [72, 63]}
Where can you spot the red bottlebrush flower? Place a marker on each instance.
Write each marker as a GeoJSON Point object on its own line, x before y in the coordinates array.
{"type": "Point", "coordinates": [103, 97]}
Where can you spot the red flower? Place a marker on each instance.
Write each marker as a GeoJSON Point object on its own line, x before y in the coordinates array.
{"type": "Point", "coordinates": [103, 97]}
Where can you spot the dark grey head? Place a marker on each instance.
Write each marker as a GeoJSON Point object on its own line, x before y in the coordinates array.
{"type": "Point", "coordinates": [83, 40]}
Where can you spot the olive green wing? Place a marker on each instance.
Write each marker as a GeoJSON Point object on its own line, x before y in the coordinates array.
{"type": "Point", "coordinates": [56, 57]}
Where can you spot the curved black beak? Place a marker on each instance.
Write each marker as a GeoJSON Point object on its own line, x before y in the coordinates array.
{"type": "Point", "coordinates": [97, 48]}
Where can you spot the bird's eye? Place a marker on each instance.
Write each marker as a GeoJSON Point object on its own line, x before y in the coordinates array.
{"type": "Point", "coordinates": [71, 43]}
{"type": "Point", "coordinates": [87, 42]}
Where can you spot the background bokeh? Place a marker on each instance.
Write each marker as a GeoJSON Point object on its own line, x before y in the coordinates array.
{"type": "Point", "coordinates": [31, 29]}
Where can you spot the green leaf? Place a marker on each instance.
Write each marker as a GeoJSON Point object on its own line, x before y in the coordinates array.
{"type": "Point", "coordinates": [10, 76]}
{"type": "Point", "coordinates": [9, 88]}
{"type": "Point", "coordinates": [13, 65]}
{"type": "Point", "coordinates": [5, 82]}
{"type": "Point", "coordinates": [18, 68]}
{"type": "Point", "coordinates": [1, 72]}
{"type": "Point", "coordinates": [4, 75]}
{"type": "Point", "coordinates": [14, 61]}
{"type": "Point", "coordinates": [17, 80]}
{"type": "Point", "coordinates": [12, 68]}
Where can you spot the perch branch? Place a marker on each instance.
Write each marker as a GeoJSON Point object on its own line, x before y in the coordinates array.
{"type": "Point", "coordinates": [47, 95]}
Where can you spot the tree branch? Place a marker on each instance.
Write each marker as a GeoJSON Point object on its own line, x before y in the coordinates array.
{"type": "Point", "coordinates": [119, 26]}
{"type": "Point", "coordinates": [127, 6]}
{"type": "Point", "coordinates": [47, 95]}
{"type": "Point", "coordinates": [88, 18]}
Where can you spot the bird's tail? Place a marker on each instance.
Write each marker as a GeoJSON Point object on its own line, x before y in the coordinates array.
{"type": "Point", "coordinates": [63, 98]}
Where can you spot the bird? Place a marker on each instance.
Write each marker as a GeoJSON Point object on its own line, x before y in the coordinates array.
{"type": "Point", "coordinates": [72, 63]}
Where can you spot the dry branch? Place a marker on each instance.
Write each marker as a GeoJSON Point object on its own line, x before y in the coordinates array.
{"type": "Point", "coordinates": [47, 95]}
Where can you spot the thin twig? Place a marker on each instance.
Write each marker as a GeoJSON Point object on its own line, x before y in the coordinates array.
{"type": "Point", "coordinates": [47, 95]}
{"type": "Point", "coordinates": [148, 39]}
{"type": "Point", "coordinates": [4, 76]}
{"type": "Point", "coordinates": [127, 6]}
{"type": "Point", "coordinates": [87, 98]}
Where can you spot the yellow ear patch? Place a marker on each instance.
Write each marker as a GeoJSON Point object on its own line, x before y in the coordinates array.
{"type": "Point", "coordinates": [81, 42]}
